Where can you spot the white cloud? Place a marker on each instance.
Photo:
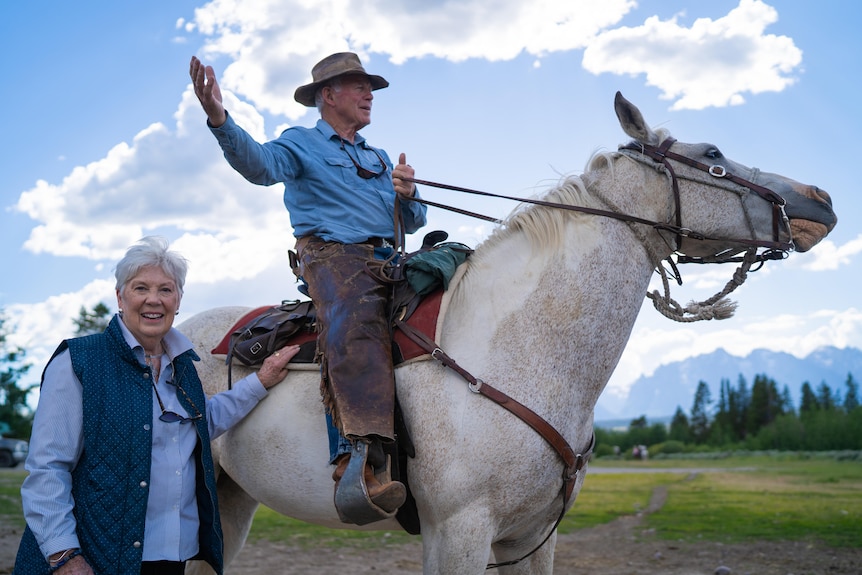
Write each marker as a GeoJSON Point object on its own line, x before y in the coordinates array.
{"type": "Point", "coordinates": [273, 47]}
{"type": "Point", "coordinates": [711, 63]}
{"type": "Point", "coordinates": [170, 182]}
{"type": "Point", "coordinates": [828, 256]}
{"type": "Point", "coordinates": [39, 328]}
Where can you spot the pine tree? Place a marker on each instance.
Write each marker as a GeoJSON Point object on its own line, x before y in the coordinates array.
{"type": "Point", "coordinates": [765, 404]}
{"type": "Point", "coordinates": [700, 413]}
{"type": "Point", "coordinates": [808, 403]}
{"type": "Point", "coordinates": [741, 402]}
{"type": "Point", "coordinates": [825, 399]}
{"type": "Point", "coordinates": [724, 429]}
{"type": "Point", "coordinates": [92, 322]}
{"type": "Point", "coordinates": [679, 428]}
{"type": "Point", "coordinates": [16, 416]}
{"type": "Point", "coordinates": [787, 401]}
{"type": "Point", "coordinates": [851, 396]}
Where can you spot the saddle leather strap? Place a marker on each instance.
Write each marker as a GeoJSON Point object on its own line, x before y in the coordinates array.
{"type": "Point", "coordinates": [574, 462]}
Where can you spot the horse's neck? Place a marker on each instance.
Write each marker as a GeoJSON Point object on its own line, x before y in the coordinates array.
{"type": "Point", "coordinates": [550, 315]}
{"type": "Point", "coordinates": [621, 185]}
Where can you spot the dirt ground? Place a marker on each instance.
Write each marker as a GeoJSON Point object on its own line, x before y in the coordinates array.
{"type": "Point", "coordinates": [621, 547]}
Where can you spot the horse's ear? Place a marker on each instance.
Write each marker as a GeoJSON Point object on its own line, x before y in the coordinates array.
{"type": "Point", "coordinates": [633, 122]}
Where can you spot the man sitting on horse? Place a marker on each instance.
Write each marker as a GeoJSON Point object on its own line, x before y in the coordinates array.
{"type": "Point", "coordinates": [342, 208]}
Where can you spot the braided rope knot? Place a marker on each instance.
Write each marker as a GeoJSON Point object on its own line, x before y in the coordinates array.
{"type": "Point", "coordinates": [717, 307]}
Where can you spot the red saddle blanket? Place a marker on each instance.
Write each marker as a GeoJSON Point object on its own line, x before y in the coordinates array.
{"type": "Point", "coordinates": [423, 319]}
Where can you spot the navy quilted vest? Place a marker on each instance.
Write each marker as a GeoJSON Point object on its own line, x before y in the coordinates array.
{"type": "Point", "coordinates": [110, 484]}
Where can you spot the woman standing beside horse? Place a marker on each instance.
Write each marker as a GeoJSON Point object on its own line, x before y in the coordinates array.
{"type": "Point", "coordinates": [122, 479]}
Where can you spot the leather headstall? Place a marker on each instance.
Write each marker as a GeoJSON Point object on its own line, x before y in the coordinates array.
{"type": "Point", "coordinates": [662, 154]}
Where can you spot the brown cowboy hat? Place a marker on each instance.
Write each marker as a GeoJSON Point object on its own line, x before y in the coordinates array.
{"type": "Point", "coordinates": [330, 67]}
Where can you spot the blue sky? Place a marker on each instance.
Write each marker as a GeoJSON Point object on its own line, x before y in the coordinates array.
{"type": "Point", "coordinates": [105, 142]}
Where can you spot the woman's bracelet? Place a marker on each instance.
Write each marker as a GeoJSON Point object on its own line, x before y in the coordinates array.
{"type": "Point", "coordinates": [64, 558]}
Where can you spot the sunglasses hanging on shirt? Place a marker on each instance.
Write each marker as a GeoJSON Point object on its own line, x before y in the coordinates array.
{"type": "Point", "coordinates": [365, 173]}
{"type": "Point", "coordinates": [171, 416]}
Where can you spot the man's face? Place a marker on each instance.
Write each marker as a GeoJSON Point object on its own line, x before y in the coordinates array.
{"type": "Point", "coordinates": [353, 101]}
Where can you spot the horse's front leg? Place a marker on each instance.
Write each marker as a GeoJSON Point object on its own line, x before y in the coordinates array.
{"type": "Point", "coordinates": [539, 563]}
{"type": "Point", "coordinates": [459, 545]}
{"type": "Point", "coordinates": [236, 509]}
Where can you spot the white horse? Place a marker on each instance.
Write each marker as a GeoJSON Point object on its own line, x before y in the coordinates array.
{"type": "Point", "coordinates": [542, 312]}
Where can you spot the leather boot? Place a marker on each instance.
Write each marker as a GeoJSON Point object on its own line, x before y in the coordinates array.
{"type": "Point", "coordinates": [389, 496]}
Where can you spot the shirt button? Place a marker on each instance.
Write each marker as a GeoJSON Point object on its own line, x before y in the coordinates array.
{"type": "Point", "coordinates": [143, 483]}
{"type": "Point", "coordinates": [179, 472]}
{"type": "Point", "coordinates": [146, 427]}
{"type": "Point", "coordinates": [136, 544]}
{"type": "Point", "coordinates": [146, 375]}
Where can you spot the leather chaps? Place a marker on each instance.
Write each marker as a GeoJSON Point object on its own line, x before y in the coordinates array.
{"type": "Point", "coordinates": [354, 345]}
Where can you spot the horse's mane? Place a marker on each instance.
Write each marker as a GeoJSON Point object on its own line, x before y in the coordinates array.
{"type": "Point", "coordinates": [543, 226]}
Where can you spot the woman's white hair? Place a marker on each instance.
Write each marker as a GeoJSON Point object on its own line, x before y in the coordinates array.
{"type": "Point", "coordinates": [151, 251]}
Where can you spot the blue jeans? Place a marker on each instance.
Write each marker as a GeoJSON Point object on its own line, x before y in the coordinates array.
{"type": "Point", "coordinates": [338, 444]}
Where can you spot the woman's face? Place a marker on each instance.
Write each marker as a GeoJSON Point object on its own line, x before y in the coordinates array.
{"type": "Point", "coordinates": [149, 302]}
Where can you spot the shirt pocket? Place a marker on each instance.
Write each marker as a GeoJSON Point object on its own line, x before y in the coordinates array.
{"type": "Point", "coordinates": [343, 167]}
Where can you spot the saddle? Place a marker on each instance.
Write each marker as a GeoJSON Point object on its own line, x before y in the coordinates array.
{"type": "Point", "coordinates": [263, 330]}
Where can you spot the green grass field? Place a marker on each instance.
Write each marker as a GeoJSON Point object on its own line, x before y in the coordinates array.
{"type": "Point", "coordinates": [10, 497]}
{"type": "Point", "coordinates": [782, 497]}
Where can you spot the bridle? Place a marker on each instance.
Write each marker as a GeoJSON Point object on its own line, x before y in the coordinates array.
{"type": "Point", "coordinates": [662, 155]}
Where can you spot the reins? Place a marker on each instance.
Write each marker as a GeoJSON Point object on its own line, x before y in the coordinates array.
{"type": "Point", "coordinates": [659, 154]}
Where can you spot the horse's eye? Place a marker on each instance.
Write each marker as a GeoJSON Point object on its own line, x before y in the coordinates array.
{"type": "Point", "coordinates": [713, 154]}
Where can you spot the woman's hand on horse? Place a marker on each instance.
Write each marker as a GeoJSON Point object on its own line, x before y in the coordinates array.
{"type": "Point", "coordinates": [274, 368]}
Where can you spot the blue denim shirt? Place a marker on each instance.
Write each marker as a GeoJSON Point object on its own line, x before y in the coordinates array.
{"type": "Point", "coordinates": [322, 191]}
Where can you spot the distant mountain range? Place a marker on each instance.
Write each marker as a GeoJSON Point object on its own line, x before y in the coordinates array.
{"type": "Point", "coordinates": [672, 385]}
